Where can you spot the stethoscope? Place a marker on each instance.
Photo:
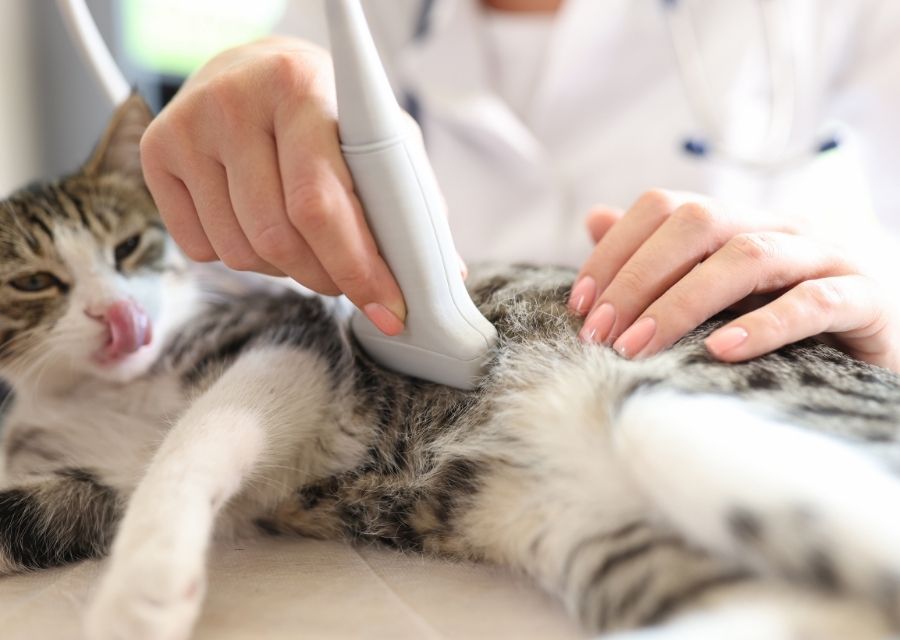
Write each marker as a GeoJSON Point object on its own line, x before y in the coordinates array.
{"type": "Point", "coordinates": [777, 149]}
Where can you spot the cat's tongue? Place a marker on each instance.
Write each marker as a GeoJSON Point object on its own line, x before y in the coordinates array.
{"type": "Point", "coordinates": [129, 329]}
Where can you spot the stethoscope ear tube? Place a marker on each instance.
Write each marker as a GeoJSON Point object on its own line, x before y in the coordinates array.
{"type": "Point", "coordinates": [93, 49]}
{"type": "Point", "coordinates": [777, 149]}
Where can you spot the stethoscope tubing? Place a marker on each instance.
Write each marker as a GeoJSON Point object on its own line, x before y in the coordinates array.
{"type": "Point", "coordinates": [777, 149]}
{"type": "Point", "coordinates": [93, 49]}
{"type": "Point", "coordinates": [780, 60]}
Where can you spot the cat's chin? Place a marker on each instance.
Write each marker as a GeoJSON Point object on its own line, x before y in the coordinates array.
{"type": "Point", "coordinates": [124, 367]}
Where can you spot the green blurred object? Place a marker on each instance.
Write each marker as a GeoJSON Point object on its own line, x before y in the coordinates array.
{"type": "Point", "coordinates": [174, 37]}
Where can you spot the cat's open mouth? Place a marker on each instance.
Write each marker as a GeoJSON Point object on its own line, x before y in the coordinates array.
{"type": "Point", "coordinates": [128, 329]}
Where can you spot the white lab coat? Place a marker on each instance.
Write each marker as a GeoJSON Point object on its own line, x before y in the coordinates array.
{"type": "Point", "coordinates": [610, 114]}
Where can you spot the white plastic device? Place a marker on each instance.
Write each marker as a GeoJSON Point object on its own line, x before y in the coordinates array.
{"type": "Point", "coordinates": [87, 38]}
{"type": "Point", "coordinates": [446, 339]}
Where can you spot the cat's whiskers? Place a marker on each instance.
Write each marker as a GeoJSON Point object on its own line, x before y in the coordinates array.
{"type": "Point", "coordinates": [30, 379]}
{"type": "Point", "coordinates": [17, 359]}
{"type": "Point", "coordinates": [34, 368]}
{"type": "Point", "coordinates": [19, 337]}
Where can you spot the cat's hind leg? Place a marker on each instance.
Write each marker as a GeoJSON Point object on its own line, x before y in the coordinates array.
{"type": "Point", "coordinates": [557, 503]}
{"type": "Point", "coordinates": [256, 416]}
{"type": "Point", "coordinates": [564, 503]}
{"type": "Point", "coordinates": [788, 501]}
{"type": "Point", "coordinates": [766, 609]}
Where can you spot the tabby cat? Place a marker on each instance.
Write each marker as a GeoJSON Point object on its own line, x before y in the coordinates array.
{"type": "Point", "coordinates": [154, 410]}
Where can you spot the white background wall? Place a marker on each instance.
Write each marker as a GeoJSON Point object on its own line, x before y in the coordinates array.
{"type": "Point", "coordinates": [19, 137]}
{"type": "Point", "coordinates": [51, 108]}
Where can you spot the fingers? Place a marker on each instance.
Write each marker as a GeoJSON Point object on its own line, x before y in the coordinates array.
{"type": "Point", "coordinates": [671, 262]}
{"type": "Point", "coordinates": [320, 203]}
{"type": "Point", "coordinates": [191, 191]}
{"type": "Point", "coordinates": [254, 185]}
{"type": "Point", "coordinates": [849, 306]}
{"type": "Point", "coordinates": [681, 241]}
{"type": "Point", "coordinates": [178, 212]}
{"type": "Point", "coordinates": [600, 220]}
{"type": "Point", "coordinates": [246, 166]}
{"type": "Point", "coordinates": [747, 264]}
{"type": "Point", "coordinates": [617, 246]}
{"type": "Point", "coordinates": [207, 182]}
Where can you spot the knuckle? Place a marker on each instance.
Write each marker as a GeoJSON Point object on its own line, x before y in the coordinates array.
{"type": "Point", "coordinates": [198, 251]}
{"type": "Point", "coordinates": [239, 259]}
{"type": "Point", "coordinates": [171, 127]}
{"type": "Point", "coordinates": [682, 305]}
{"type": "Point", "coordinates": [288, 71]}
{"type": "Point", "coordinates": [771, 321]}
{"type": "Point", "coordinates": [310, 207]}
{"type": "Point", "coordinates": [630, 280]}
{"type": "Point", "coordinates": [657, 201]}
{"type": "Point", "coordinates": [822, 296]}
{"type": "Point", "coordinates": [151, 142]}
{"type": "Point", "coordinates": [355, 276]}
{"type": "Point", "coordinates": [321, 284]}
{"type": "Point", "coordinates": [159, 140]}
{"type": "Point", "coordinates": [753, 247]}
{"type": "Point", "coordinates": [696, 215]}
{"type": "Point", "coordinates": [228, 100]}
{"type": "Point", "coordinates": [275, 244]}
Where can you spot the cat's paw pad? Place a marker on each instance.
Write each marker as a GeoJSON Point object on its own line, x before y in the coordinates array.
{"type": "Point", "coordinates": [146, 600]}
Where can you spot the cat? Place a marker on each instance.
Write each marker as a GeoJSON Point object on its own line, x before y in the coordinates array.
{"type": "Point", "coordinates": [156, 408]}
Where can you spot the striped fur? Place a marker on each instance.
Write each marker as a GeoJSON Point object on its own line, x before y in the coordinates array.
{"type": "Point", "coordinates": [634, 491]}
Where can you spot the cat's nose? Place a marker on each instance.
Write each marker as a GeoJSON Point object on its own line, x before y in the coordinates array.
{"type": "Point", "coordinates": [129, 327]}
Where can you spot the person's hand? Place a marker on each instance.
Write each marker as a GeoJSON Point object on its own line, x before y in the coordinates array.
{"type": "Point", "coordinates": [673, 260]}
{"type": "Point", "coordinates": [246, 167]}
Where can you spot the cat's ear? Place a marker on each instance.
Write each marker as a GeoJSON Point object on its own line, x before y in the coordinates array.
{"type": "Point", "coordinates": [119, 148]}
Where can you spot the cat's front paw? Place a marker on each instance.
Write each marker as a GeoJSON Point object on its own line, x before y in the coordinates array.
{"type": "Point", "coordinates": [146, 597]}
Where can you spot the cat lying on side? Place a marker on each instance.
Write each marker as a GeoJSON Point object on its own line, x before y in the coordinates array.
{"type": "Point", "coordinates": [153, 411]}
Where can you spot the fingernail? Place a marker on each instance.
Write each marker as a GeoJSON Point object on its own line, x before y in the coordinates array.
{"type": "Point", "coordinates": [583, 295]}
{"type": "Point", "coordinates": [598, 325]}
{"type": "Point", "coordinates": [635, 338]}
{"type": "Point", "coordinates": [383, 318]}
{"type": "Point", "coordinates": [726, 339]}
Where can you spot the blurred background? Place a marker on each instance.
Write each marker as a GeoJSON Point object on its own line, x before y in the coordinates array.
{"type": "Point", "coordinates": [51, 108]}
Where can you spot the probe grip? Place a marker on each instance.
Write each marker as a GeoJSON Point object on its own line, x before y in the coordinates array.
{"type": "Point", "coordinates": [446, 339]}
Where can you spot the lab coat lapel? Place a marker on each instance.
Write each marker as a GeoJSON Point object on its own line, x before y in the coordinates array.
{"type": "Point", "coordinates": [448, 72]}
{"type": "Point", "coordinates": [585, 44]}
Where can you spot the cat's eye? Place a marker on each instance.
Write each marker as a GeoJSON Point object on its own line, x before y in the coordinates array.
{"type": "Point", "coordinates": [36, 282]}
{"type": "Point", "coordinates": [127, 247]}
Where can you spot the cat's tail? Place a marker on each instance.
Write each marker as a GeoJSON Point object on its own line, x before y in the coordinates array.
{"type": "Point", "coordinates": [65, 517]}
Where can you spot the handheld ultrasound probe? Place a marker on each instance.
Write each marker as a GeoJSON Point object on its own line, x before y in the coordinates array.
{"type": "Point", "coordinates": [445, 340]}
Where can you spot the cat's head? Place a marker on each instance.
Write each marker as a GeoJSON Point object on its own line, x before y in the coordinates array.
{"type": "Point", "coordinates": [81, 260]}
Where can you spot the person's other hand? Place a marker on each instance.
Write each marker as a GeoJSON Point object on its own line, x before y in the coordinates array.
{"type": "Point", "coordinates": [673, 260]}
{"type": "Point", "coordinates": [246, 167]}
